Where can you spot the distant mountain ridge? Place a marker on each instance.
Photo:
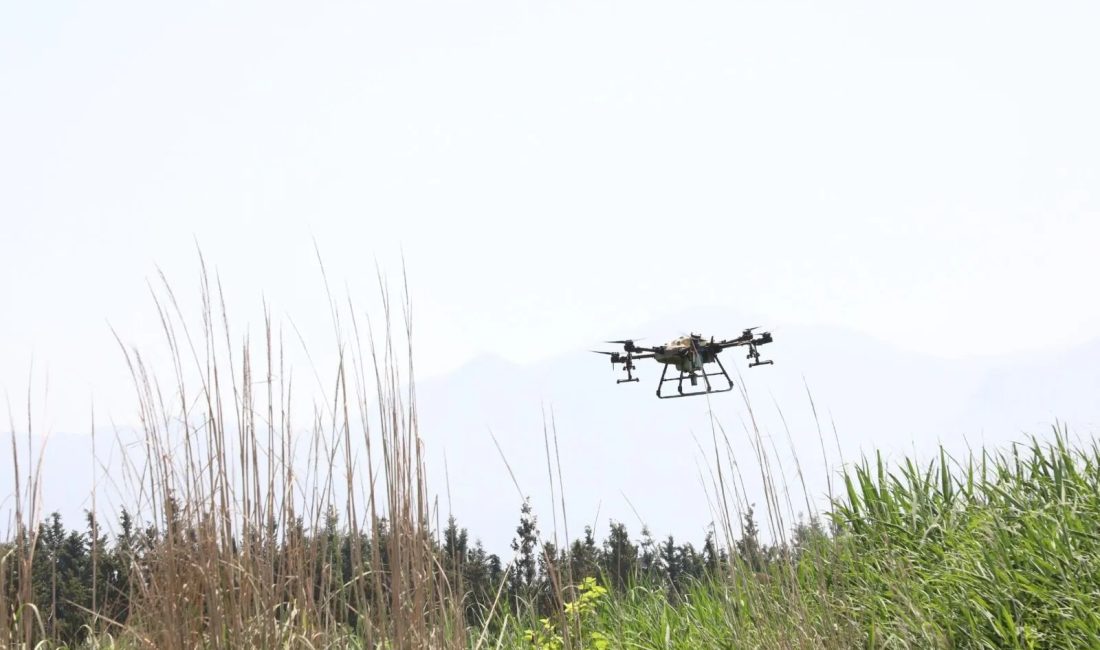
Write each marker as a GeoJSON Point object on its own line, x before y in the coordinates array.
{"type": "Point", "coordinates": [621, 448]}
{"type": "Point", "coordinates": [627, 456]}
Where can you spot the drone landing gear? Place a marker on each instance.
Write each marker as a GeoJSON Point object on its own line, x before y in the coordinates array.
{"type": "Point", "coordinates": [754, 355]}
{"type": "Point", "coordinates": [693, 378]}
{"type": "Point", "coordinates": [628, 365]}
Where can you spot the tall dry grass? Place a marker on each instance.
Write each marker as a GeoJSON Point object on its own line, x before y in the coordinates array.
{"type": "Point", "coordinates": [240, 492]}
{"type": "Point", "coordinates": [20, 618]}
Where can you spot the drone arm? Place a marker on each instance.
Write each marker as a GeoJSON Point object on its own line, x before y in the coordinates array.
{"type": "Point", "coordinates": [746, 339]}
{"type": "Point", "coordinates": [619, 357]}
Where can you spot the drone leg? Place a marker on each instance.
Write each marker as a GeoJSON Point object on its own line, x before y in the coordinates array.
{"type": "Point", "coordinates": [706, 379]}
{"type": "Point", "coordinates": [662, 382]}
{"type": "Point", "coordinates": [724, 373]}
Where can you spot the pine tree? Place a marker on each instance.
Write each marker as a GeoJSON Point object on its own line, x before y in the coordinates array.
{"type": "Point", "coordinates": [496, 570]}
{"type": "Point", "coordinates": [61, 577]}
{"type": "Point", "coordinates": [525, 570]}
{"type": "Point", "coordinates": [72, 587]}
{"type": "Point", "coordinates": [713, 558]}
{"type": "Point", "coordinates": [670, 562]}
{"type": "Point", "coordinates": [51, 537]}
{"type": "Point", "coordinates": [748, 547]}
{"type": "Point", "coordinates": [116, 569]}
{"type": "Point", "coordinates": [690, 564]}
{"type": "Point", "coordinates": [551, 562]}
{"type": "Point", "coordinates": [478, 579]}
{"type": "Point", "coordinates": [584, 556]}
{"type": "Point", "coordinates": [620, 557]}
{"type": "Point", "coordinates": [455, 542]}
{"type": "Point", "coordinates": [806, 535]}
{"type": "Point", "coordinates": [101, 566]}
{"type": "Point", "coordinates": [651, 565]}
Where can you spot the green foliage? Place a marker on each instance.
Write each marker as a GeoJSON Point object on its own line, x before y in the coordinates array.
{"type": "Point", "coordinates": [579, 615]}
{"type": "Point", "coordinates": [1000, 550]}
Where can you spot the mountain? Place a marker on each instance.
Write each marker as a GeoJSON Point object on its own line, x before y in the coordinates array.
{"type": "Point", "coordinates": [627, 456]}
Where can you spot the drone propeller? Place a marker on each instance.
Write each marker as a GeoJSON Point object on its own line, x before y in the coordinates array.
{"type": "Point", "coordinates": [628, 345]}
{"type": "Point", "coordinates": [616, 357]}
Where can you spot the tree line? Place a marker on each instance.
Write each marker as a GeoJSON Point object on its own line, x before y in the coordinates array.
{"type": "Point", "coordinates": [83, 580]}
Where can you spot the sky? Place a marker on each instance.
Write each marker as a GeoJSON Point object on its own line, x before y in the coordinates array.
{"type": "Point", "coordinates": [549, 173]}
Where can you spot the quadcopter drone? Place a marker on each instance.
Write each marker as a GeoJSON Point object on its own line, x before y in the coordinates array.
{"type": "Point", "coordinates": [689, 355]}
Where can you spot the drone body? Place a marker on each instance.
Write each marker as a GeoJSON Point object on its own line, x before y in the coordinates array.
{"type": "Point", "coordinates": [689, 356]}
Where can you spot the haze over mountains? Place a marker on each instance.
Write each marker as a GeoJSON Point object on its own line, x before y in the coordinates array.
{"type": "Point", "coordinates": [627, 456]}
{"type": "Point", "coordinates": [620, 445]}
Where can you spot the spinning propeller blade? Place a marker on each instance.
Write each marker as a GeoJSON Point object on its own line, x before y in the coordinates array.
{"type": "Point", "coordinates": [616, 357]}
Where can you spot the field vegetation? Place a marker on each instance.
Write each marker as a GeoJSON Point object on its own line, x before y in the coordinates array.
{"type": "Point", "coordinates": [230, 542]}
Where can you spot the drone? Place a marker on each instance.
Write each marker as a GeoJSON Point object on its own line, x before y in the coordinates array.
{"type": "Point", "coordinates": [689, 355]}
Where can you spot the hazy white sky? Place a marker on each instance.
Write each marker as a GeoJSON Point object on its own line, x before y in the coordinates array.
{"type": "Point", "coordinates": [553, 171]}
